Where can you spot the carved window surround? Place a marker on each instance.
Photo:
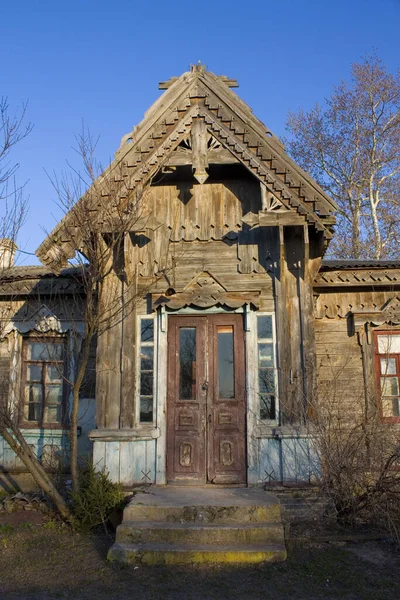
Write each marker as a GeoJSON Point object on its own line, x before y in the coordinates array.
{"type": "Point", "coordinates": [365, 322]}
{"type": "Point", "coordinates": [44, 321]}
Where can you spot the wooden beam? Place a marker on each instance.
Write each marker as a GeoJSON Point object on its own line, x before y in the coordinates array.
{"type": "Point", "coordinates": [268, 219]}
{"type": "Point", "coordinates": [231, 83]}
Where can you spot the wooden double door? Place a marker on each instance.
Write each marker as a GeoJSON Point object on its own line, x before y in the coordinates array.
{"type": "Point", "coordinates": [206, 400]}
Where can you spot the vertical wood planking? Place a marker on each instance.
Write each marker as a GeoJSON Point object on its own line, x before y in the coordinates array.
{"type": "Point", "coordinates": [128, 339]}
{"type": "Point", "coordinates": [113, 460]}
{"type": "Point", "coordinates": [307, 326]}
{"type": "Point", "coordinates": [108, 359]}
{"type": "Point", "coordinates": [270, 462]}
{"type": "Point", "coordinates": [126, 463]}
{"type": "Point", "coordinates": [99, 455]}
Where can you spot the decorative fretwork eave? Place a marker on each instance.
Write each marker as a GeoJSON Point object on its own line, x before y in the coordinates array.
{"type": "Point", "coordinates": [357, 278]}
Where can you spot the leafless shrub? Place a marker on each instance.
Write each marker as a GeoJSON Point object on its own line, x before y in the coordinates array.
{"type": "Point", "coordinates": [359, 457]}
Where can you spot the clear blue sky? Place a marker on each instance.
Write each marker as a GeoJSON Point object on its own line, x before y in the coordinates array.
{"type": "Point", "coordinates": [101, 62]}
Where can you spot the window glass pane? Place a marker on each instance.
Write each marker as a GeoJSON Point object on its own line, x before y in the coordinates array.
{"type": "Point", "coordinates": [389, 344]}
{"type": "Point", "coordinates": [53, 394]}
{"type": "Point", "coordinates": [264, 327]}
{"type": "Point", "coordinates": [226, 378]}
{"type": "Point", "coordinates": [33, 402]}
{"type": "Point", "coordinates": [267, 407]}
{"type": "Point", "coordinates": [146, 358]}
{"type": "Point", "coordinates": [34, 373]}
{"type": "Point", "coordinates": [187, 359]}
{"type": "Point", "coordinates": [54, 372]}
{"type": "Point", "coordinates": [388, 366]}
{"type": "Point", "coordinates": [390, 407]}
{"type": "Point", "coordinates": [146, 384]}
{"type": "Point", "coordinates": [46, 351]}
{"type": "Point", "coordinates": [146, 410]}
{"type": "Point", "coordinates": [389, 386]}
{"type": "Point", "coordinates": [265, 355]}
{"type": "Point", "coordinates": [33, 412]}
{"type": "Point", "coordinates": [266, 380]}
{"type": "Point", "coordinates": [53, 413]}
{"type": "Point", "coordinates": [147, 330]}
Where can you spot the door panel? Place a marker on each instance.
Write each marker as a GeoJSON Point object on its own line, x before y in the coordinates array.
{"type": "Point", "coordinates": [206, 400]}
{"type": "Point", "coordinates": [226, 408]}
{"type": "Point", "coordinates": [186, 400]}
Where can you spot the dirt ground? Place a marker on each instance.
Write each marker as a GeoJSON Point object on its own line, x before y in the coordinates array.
{"type": "Point", "coordinates": [46, 561]}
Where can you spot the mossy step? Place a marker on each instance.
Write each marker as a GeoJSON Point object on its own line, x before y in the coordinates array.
{"type": "Point", "coordinates": [204, 514]}
{"type": "Point", "coordinates": [214, 533]}
{"type": "Point", "coordinates": [162, 553]}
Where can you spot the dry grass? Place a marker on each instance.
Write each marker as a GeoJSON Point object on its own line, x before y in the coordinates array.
{"type": "Point", "coordinates": [44, 562]}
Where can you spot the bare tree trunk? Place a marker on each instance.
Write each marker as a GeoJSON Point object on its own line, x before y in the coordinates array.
{"type": "Point", "coordinates": [356, 244]}
{"type": "Point", "coordinates": [83, 361]}
{"type": "Point", "coordinates": [17, 443]}
{"type": "Point", "coordinates": [375, 225]}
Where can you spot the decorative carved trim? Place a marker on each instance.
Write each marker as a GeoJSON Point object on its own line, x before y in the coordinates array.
{"type": "Point", "coordinates": [357, 278]}
{"type": "Point", "coordinates": [205, 291]}
{"type": "Point", "coordinates": [388, 315]}
{"type": "Point", "coordinates": [43, 321]}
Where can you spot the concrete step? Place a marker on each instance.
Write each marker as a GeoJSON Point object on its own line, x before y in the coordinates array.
{"type": "Point", "coordinates": [204, 514]}
{"type": "Point", "coordinates": [186, 505]}
{"type": "Point", "coordinates": [198, 533]}
{"type": "Point", "coordinates": [153, 553]}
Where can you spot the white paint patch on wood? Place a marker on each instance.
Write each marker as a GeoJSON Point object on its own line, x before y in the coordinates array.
{"type": "Point", "coordinates": [252, 398]}
{"type": "Point", "coordinates": [126, 463]}
{"type": "Point", "coordinates": [112, 460]}
{"type": "Point", "coordinates": [161, 399]}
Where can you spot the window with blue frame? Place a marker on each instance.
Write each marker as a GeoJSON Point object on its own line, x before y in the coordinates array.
{"type": "Point", "coordinates": [266, 367]}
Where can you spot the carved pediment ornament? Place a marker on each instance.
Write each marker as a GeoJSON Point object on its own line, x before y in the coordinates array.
{"type": "Point", "coordinates": [230, 299]}
{"type": "Point", "coordinates": [388, 315]}
{"type": "Point", "coordinates": [43, 320]}
{"type": "Point", "coordinates": [205, 291]}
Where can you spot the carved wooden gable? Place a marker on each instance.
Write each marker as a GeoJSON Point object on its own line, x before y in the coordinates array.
{"type": "Point", "coordinates": [199, 121]}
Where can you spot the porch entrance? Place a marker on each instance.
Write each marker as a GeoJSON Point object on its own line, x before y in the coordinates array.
{"type": "Point", "coordinates": [206, 400]}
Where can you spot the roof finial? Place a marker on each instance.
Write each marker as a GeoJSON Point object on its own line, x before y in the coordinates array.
{"type": "Point", "coordinates": [199, 68]}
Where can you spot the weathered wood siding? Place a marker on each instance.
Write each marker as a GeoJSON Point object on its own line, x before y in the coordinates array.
{"type": "Point", "coordinates": [50, 446]}
{"type": "Point", "coordinates": [127, 462]}
{"type": "Point", "coordinates": [5, 359]}
{"type": "Point", "coordinates": [339, 365]}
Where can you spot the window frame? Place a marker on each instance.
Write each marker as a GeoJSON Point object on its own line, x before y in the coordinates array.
{"type": "Point", "coordinates": [41, 424]}
{"type": "Point", "coordinates": [137, 395]}
{"type": "Point", "coordinates": [272, 341]}
{"type": "Point", "coordinates": [378, 374]}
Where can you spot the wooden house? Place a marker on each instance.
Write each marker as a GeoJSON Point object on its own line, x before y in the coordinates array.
{"type": "Point", "coordinates": [236, 325]}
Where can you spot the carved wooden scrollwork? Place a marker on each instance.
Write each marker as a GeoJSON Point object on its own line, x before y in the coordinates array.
{"type": "Point", "coordinates": [204, 291]}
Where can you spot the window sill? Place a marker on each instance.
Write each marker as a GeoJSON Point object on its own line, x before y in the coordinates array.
{"type": "Point", "coordinates": [44, 426]}
{"type": "Point", "coordinates": [273, 431]}
{"type": "Point", "coordinates": [45, 432]}
{"type": "Point", "coordinates": [124, 435]}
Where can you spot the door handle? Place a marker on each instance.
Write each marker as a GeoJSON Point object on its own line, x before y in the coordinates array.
{"type": "Point", "coordinates": [205, 386]}
{"type": "Point", "coordinates": [209, 418]}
